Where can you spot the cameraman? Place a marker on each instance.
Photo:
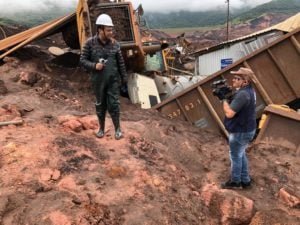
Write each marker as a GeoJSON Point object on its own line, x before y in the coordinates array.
{"type": "Point", "coordinates": [102, 56]}
{"type": "Point", "coordinates": [240, 122]}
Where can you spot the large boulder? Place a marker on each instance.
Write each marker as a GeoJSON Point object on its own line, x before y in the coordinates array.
{"type": "Point", "coordinates": [232, 208]}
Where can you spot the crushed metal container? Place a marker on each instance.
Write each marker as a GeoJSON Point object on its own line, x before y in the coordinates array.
{"type": "Point", "coordinates": [281, 128]}
{"type": "Point", "coordinates": [276, 80]}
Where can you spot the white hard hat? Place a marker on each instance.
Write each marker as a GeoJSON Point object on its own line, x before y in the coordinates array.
{"type": "Point", "coordinates": [104, 20]}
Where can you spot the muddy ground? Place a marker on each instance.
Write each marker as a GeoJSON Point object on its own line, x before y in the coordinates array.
{"type": "Point", "coordinates": [53, 169]}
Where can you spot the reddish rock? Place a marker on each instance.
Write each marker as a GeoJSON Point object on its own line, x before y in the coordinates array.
{"type": "Point", "coordinates": [46, 174]}
{"type": "Point", "coordinates": [89, 122]}
{"type": "Point", "coordinates": [289, 198]}
{"type": "Point", "coordinates": [74, 125]}
{"type": "Point", "coordinates": [232, 207]}
{"type": "Point", "coordinates": [272, 217]}
{"type": "Point", "coordinates": [68, 183]}
{"type": "Point", "coordinates": [55, 175]}
{"type": "Point", "coordinates": [116, 172]}
{"type": "Point", "coordinates": [58, 218]}
{"type": "Point", "coordinates": [65, 118]}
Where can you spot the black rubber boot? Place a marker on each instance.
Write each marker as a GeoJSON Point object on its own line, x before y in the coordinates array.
{"type": "Point", "coordinates": [118, 134]}
{"type": "Point", "coordinates": [101, 120]}
{"type": "Point", "coordinates": [116, 122]}
{"type": "Point", "coordinates": [100, 133]}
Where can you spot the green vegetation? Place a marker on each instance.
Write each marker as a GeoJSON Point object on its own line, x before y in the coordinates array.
{"type": "Point", "coordinates": [275, 6]}
{"type": "Point", "coordinates": [185, 19]}
{"type": "Point", "coordinates": [33, 18]}
{"type": "Point", "coordinates": [218, 17]}
{"type": "Point", "coordinates": [5, 21]}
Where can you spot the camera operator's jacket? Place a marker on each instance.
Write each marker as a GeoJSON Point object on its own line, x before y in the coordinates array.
{"type": "Point", "coordinates": [94, 50]}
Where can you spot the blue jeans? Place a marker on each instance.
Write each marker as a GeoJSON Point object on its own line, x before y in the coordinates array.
{"type": "Point", "coordinates": [238, 143]}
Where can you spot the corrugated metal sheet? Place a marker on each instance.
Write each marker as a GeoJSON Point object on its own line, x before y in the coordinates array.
{"type": "Point", "coordinates": [211, 62]}
{"type": "Point", "coordinates": [35, 33]}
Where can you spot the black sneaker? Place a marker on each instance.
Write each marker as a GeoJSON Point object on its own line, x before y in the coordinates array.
{"type": "Point", "coordinates": [246, 185]}
{"type": "Point", "coordinates": [230, 185]}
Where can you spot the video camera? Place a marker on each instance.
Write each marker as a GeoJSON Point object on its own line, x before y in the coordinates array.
{"type": "Point", "coordinates": [222, 90]}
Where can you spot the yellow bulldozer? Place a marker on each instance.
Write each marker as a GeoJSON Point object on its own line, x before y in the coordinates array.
{"type": "Point", "coordinates": [77, 27]}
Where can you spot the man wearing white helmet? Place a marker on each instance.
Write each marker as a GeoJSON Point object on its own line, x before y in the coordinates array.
{"type": "Point", "coordinates": [102, 55]}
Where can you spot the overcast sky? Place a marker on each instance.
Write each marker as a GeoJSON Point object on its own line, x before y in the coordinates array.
{"type": "Point", "coordinates": [148, 5]}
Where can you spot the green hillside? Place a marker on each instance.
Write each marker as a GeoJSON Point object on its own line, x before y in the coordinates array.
{"type": "Point", "coordinates": [276, 6]}
{"type": "Point", "coordinates": [33, 18]}
{"type": "Point", "coordinates": [218, 17]}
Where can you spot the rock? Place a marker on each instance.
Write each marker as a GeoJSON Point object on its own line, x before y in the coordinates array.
{"type": "Point", "coordinates": [116, 172]}
{"type": "Point", "coordinates": [9, 59]}
{"type": "Point", "coordinates": [89, 122]}
{"type": "Point", "coordinates": [58, 218]}
{"type": "Point", "coordinates": [29, 78]}
{"type": "Point", "coordinates": [272, 217]}
{"type": "Point", "coordinates": [74, 125]}
{"type": "Point", "coordinates": [65, 118]}
{"type": "Point", "coordinates": [232, 207]}
{"type": "Point", "coordinates": [55, 175]}
{"type": "Point", "coordinates": [46, 174]}
{"type": "Point", "coordinates": [68, 183]}
{"type": "Point", "coordinates": [12, 109]}
{"type": "Point", "coordinates": [173, 167]}
{"type": "Point", "coordinates": [288, 197]}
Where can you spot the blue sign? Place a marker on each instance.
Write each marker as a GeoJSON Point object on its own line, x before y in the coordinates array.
{"type": "Point", "coordinates": [226, 62]}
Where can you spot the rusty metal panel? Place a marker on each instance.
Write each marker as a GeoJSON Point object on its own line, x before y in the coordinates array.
{"type": "Point", "coordinates": [196, 111]}
{"type": "Point", "coordinates": [36, 33]}
{"type": "Point", "coordinates": [288, 61]}
{"type": "Point", "coordinates": [267, 72]}
{"type": "Point", "coordinates": [281, 128]}
{"type": "Point", "coordinates": [173, 111]}
{"type": "Point", "coordinates": [22, 36]}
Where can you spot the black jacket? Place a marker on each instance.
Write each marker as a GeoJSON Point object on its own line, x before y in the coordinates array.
{"type": "Point", "coordinates": [94, 49]}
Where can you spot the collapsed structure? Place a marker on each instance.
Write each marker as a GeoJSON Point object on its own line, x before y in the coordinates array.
{"type": "Point", "coordinates": [275, 64]}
